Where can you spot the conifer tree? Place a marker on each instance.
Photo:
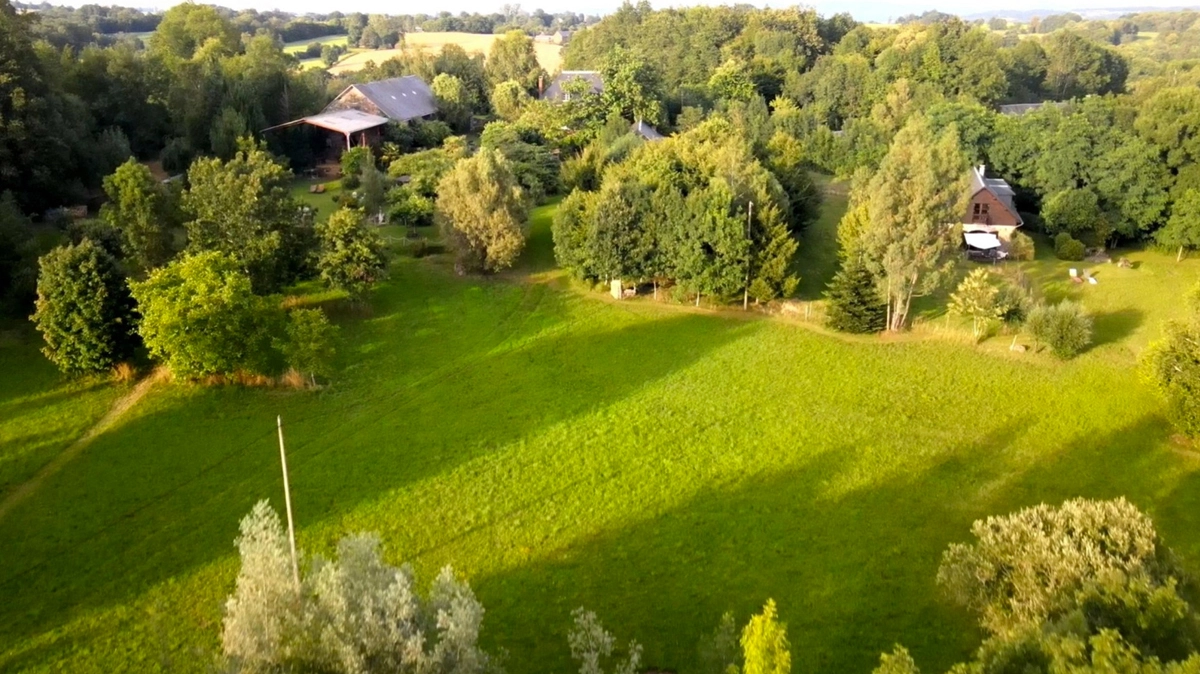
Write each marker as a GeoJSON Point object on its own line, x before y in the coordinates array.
{"type": "Point", "coordinates": [854, 304]}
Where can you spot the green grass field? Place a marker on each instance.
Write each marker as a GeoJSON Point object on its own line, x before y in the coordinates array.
{"type": "Point", "coordinates": [657, 464]}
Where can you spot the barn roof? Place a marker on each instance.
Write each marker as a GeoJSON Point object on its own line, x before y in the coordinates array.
{"type": "Point", "coordinates": [399, 98]}
{"type": "Point", "coordinates": [346, 121]}
{"type": "Point", "coordinates": [555, 91]}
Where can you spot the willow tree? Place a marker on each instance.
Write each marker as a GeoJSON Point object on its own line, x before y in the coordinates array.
{"type": "Point", "coordinates": [481, 210]}
{"type": "Point", "coordinates": [914, 202]}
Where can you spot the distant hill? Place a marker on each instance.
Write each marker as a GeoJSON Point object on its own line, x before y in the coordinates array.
{"type": "Point", "coordinates": [1024, 15]}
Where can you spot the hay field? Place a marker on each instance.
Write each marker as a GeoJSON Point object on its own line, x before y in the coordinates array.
{"type": "Point", "coordinates": [549, 55]}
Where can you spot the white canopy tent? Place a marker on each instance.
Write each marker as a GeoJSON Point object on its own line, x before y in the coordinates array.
{"type": "Point", "coordinates": [982, 240]}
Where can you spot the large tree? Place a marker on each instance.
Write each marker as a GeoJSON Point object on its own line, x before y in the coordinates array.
{"type": "Point", "coordinates": [139, 207]}
{"type": "Point", "coordinates": [1182, 231]}
{"type": "Point", "coordinates": [512, 58]}
{"type": "Point", "coordinates": [455, 101]}
{"type": "Point", "coordinates": [632, 87]}
{"type": "Point", "coordinates": [914, 201]}
{"type": "Point", "coordinates": [351, 256]}
{"type": "Point", "coordinates": [1077, 67]}
{"type": "Point", "coordinates": [244, 209]}
{"type": "Point", "coordinates": [482, 209]}
{"type": "Point", "coordinates": [84, 310]}
{"type": "Point", "coordinates": [201, 317]}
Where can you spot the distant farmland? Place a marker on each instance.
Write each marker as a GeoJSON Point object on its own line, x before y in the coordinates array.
{"type": "Point", "coordinates": [549, 55]}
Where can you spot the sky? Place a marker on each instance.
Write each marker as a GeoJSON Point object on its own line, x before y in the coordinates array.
{"type": "Point", "coordinates": [863, 10]}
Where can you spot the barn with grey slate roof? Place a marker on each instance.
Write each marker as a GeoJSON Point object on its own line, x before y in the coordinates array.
{"type": "Point", "coordinates": [361, 109]}
{"type": "Point", "coordinates": [400, 99]}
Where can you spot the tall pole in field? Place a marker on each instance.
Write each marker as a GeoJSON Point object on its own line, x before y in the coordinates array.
{"type": "Point", "coordinates": [287, 499]}
{"type": "Point", "coordinates": [746, 289]}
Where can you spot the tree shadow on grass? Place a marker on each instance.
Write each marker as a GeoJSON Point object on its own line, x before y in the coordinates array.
{"type": "Point", "coordinates": [1115, 326]}
{"type": "Point", "coordinates": [852, 573]}
{"type": "Point", "coordinates": [162, 494]}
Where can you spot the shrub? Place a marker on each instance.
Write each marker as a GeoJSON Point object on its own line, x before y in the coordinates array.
{"type": "Point", "coordinates": [351, 255]}
{"type": "Point", "coordinates": [358, 614]}
{"type": "Point", "coordinates": [1065, 327]}
{"type": "Point", "coordinates": [353, 162]}
{"type": "Point", "coordinates": [1021, 247]}
{"type": "Point", "coordinates": [84, 311]}
{"type": "Point", "coordinates": [1172, 364]}
{"type": "Point", "coordinates": [1067, 247]}
{"type": "Point", "coordinates": [590, 644]}
{"type": "Point", "coordinates": [975, 298]}
{"type": "Point", "coordinates": [1028, 567]}
{"type": "Point", "coordinates": [310, 343]}
{"type": "Point", "coordinates": [407, 208]}
{"type": "Point", "coordinates": [854, 302]}
{"type": "Point", "coordinates": [1013, 302]}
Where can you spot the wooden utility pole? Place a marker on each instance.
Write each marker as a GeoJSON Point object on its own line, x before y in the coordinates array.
{"type": "Point", "coordinates": [287, 499]}
{"type": "Point", "coordinates": [746, 289]}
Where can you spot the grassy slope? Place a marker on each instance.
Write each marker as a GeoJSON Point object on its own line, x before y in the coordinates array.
{"type": "Point", "coordinates": [655, 464]}
{"type": "Point", "coordinates": [41, 412]}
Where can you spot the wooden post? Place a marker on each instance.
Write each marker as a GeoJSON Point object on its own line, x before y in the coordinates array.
{"type": "Point", "coordinates": [287, 499]}
{"type": "Point", "coordinates": [746, 289]}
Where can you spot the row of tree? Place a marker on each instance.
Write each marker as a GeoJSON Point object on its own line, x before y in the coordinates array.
{"type": "Point", "coordinates": [212, 307]}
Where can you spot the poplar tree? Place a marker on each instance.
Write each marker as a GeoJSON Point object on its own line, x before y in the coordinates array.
{"type": "Point", "coordinates": [915, 201]}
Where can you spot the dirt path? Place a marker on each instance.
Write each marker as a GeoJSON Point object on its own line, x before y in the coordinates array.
{"type": "Point", "coordinates": [119, 408]}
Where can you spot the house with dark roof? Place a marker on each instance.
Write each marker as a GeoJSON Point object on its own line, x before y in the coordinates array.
{"type": "Point", "coordinates": [991, 216]}
{"type": "Point", "coordinates": [557, 91]}
{"type": "Point", "coordinates": [399, 99]}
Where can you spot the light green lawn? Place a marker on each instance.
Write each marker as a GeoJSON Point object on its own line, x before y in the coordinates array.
{"type": "Point", "coordinates": [323, 203]}
{"type": "Point", "coordinates": [656, 464]}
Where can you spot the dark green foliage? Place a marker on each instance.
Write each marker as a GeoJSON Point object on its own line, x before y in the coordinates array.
{"type": "Point", "coordinates": [139, 209]}
{"type": "Point", "coordinates": [1064, 327]}
{"type": "Point", "coordinates": [1067, 247]}
{"type": "Point", "coordinates": [84, 310]}
{"type": "Point", "coordinates": [200, 317]}
{"type": "Point", "coordinates": [853, 302]}
{"type": "Point", "coordinates": [785, 160]}
{"type": "Point", "coordinates": [772, 249]}
{"type": "Point", "coordinates": [536, 167]}
{"type": "Point", "coordinates": [18, 259]}
{"type": "Point", "coordinates": [100, 233]}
